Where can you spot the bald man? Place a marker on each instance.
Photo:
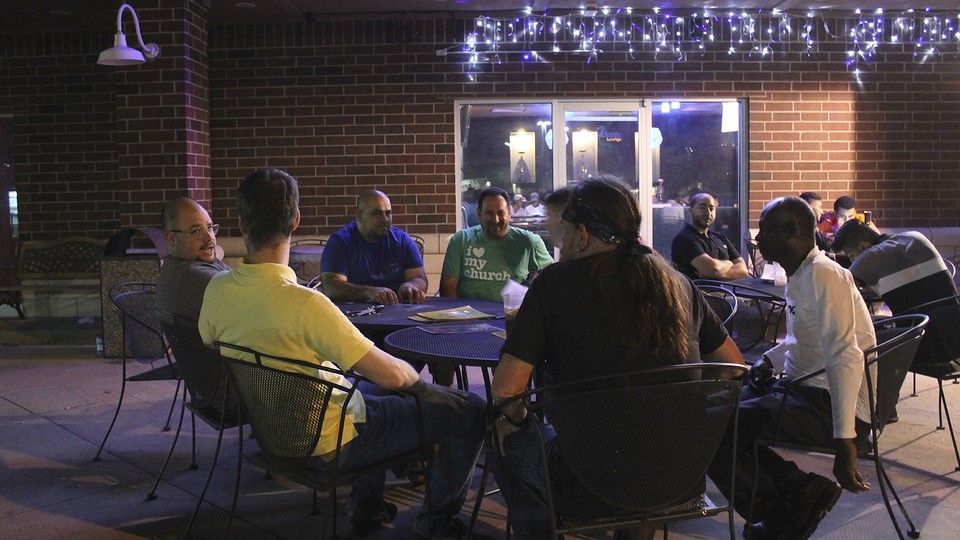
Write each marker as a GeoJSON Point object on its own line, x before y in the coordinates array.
{"type": "Point", "coordinates": [828, 327]}
{"type": "Point", "coordinates": [699, 252]}
{"type": "Point", "coordinates": [369, 260]}
{"type": "Point", "coordinates": [193, 257]}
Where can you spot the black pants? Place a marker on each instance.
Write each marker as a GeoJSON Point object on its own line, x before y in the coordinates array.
{"type": "Point", "coordinates": [807, 419]}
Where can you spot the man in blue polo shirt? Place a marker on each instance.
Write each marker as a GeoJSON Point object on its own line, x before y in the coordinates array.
{"type": "Point", "coordinates": [369, 260]}
{"type": "Point", "coordinates": [699, 252]}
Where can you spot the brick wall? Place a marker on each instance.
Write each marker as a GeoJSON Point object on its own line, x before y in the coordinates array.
{"type": "Point", "coordinates": [346, 105]}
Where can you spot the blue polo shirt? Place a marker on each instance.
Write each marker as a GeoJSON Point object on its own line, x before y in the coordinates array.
{"type": "Point", "coordinates": [381, 264]}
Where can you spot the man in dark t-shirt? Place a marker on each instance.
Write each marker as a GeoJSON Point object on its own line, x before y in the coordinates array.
{"type": "Point", "coordinates": [699, 252]}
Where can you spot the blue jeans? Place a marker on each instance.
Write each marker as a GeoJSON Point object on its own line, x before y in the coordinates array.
{"type": "Point", "coordinates": [520, 474]}
{"type": "Point", "coordinates": [391, 429]}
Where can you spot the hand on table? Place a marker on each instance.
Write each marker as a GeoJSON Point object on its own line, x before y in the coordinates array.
{"type": "Point", "coordinates": [410, 294]}
{"type": "Point", "coordinates": [382, 295]}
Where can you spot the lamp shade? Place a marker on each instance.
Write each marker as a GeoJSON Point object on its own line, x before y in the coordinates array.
{"type": "Point", "coordinates": [120, 54]}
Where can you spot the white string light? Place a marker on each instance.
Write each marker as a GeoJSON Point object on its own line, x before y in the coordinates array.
{"type": "Point", "coordinates": [668, 36]}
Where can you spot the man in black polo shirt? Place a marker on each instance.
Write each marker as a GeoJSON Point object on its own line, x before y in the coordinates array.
{"type": "Point", "coordinates": [699, 252]}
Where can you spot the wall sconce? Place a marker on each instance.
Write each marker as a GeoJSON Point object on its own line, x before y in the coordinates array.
{"type": "Point", "coordinates": [122, 55]}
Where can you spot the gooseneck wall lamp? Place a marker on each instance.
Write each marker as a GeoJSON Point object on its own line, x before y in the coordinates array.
{"type": "Point", "coordinates": [122, 55]}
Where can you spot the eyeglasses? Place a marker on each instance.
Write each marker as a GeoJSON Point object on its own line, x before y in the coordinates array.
{"type": "Point", "coordinates": [196, 231]}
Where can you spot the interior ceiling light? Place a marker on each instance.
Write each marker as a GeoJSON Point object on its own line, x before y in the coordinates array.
{"type": "Point", "coordinates": [122, 55]}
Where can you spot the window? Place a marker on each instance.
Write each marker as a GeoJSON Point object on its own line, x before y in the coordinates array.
{"type": "Point", "coordinates": [665, 150]}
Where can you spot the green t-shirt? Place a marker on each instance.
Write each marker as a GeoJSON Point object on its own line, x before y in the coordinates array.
{"type": "Point", "coordinates": [482, 265]}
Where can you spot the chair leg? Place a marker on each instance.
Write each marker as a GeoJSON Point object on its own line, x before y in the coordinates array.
{"type": "Point", "coordinates": [953, 436]}
{"type": "Point", "coordinates": [236, 486]}
{"type": "Point", "coordinates": [176, 392]}
{"type": "Point", "coordinates": [123, 388]}
{"type": "Point", "coordinates": [213, 467]}
{"type": "Point", "coordinates": [481, 494]}
{"type": "Point", "coordinates": [183, 407]}
{"type": "Point", "coordinates": [886, 484]}
{"type": "Point", "coordinates": [193, 441]}
{"type": "Point", "coordinates": [914, 393]}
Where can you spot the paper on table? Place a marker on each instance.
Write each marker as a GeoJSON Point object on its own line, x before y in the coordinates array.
{"type": "Point", "coordinates": [462, 313]}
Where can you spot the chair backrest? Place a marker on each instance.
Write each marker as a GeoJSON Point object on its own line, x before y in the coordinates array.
{"type": "Point", "coordinates": [656, 440]}
{"type": "Point", "coordinates": [759, 319]}
{"type": "Point", "coordinates": [136, 303]}
{"type": "Point", "coordinates": [285, 408]}
{"type": "Point", "coordinates": [315, 283]}
{"type": "Point", "coordinates": [199, 365]}
{"type": "Point", "coordinates": [941, 345]}
{"type": "Point", "coordinates": [419, 241]}
{"type": "Point", "coordinates": [898, 339]}
{"type": "Point", "coordinates": [723, 302]}
{"type": "Point", "coordinates": [308, 242]}
{"type": "Point", "coordinates": [756, 259]}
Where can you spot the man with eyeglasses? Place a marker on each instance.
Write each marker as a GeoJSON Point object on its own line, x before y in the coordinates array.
{"type": "Point", "coordinates": [192, 259]}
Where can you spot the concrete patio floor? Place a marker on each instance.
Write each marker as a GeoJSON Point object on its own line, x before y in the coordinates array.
{"type": "Point", "coordinates": [56, 403]}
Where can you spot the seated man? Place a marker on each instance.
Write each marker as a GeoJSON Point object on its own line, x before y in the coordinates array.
{"type": "Point", "coordinates": [516, 207]}
{"type": "Point", "coordinates": [481, 259]}
{"type": "Point", "coordinates": [699, 252]}
{"type": "Point", "coordinates": [554, 204]}
{"type": "Point", "coordinates": [904, 269]}
{"type": "Point", "coordinates": [844, 209]}
{"type": "Point", "coordinates": [370, 260]}
{"type": "Point", "coordinates": [816, 203]}
{"type": "Point", "coordinates": [191, 260]}
{"type": "Point", "coordinates": [260, 305]}
{"type": "Point", "coordinates": [535, 209]}
{"type": "Point", "coordinates": [828, 326]}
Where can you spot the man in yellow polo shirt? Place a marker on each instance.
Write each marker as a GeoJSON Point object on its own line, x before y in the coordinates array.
{"type": "Point", "coordinates": [259, 305]}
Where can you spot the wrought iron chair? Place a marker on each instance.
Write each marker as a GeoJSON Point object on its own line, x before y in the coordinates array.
{"type": "Point", "coordinates": [211, 397]}
{"type": "Point", "coordinates": [286, 408]}
{"type": "Point", "coordinates": [759, 320]}
{"type": "Point", "coordinates": [898, 339]}
{"type": "Point", "coordinates": [303, 267]}
{"type": "Point", "coordinates": [723, 302]}
{"type": "Point", "coordinates": [756, 259]}
{"type": "Point", "coordinates": [939, 354]}
{"type": "Point", "coordinates": [144, 343]}
{"type": "Point", "coordinates": [641, 465]}
{"type": "Point", "coordinates": [419, 241]}
{"type": "Point", "coordinates": [315, 283]}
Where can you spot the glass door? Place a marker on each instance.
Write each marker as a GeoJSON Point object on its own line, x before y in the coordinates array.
{"type": "Point", "coordinates": [696, 148]}
{"type": "Point", "coordinates": [666, 151]}
{"type": "Point", "coordinates": [601, 140]}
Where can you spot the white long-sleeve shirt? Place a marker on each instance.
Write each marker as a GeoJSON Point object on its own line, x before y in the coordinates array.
{"type": "Point", "coordinates": [828, 325]}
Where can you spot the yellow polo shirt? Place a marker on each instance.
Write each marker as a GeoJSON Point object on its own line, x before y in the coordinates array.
{"type": "Point", "coordinates": [261, 307]}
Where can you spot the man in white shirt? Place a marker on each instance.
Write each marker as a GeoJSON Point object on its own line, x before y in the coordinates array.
{"type": "Point", "coordinates": [828, 326]}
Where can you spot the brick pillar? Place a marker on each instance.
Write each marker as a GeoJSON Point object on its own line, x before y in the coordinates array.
{"type": "Point", "coordinates": [163, 130]}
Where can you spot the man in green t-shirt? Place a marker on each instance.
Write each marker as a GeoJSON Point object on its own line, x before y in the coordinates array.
{"type": "Point", "coordinates": [481, 259]}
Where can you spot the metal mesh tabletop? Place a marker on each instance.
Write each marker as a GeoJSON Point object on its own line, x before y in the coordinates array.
{"type": "Point", "coordinates": [475, 348]}
{"type": "Point", "coordinates": [397, 316]}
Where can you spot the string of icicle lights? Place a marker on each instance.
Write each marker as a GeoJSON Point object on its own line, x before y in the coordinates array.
{"type": "Point", "coordinates": [759, 34]}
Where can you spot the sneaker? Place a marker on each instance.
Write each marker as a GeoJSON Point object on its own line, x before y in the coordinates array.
{"type": "Point", "coordinates": [363, 527]}
{"type": "Point", "coordinates": [807, 505]}
{"type": "Point", "coordinates": [767, 529]}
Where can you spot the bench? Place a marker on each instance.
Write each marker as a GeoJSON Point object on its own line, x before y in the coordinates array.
{"type": "Point", "coordinates": [68, 266]}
